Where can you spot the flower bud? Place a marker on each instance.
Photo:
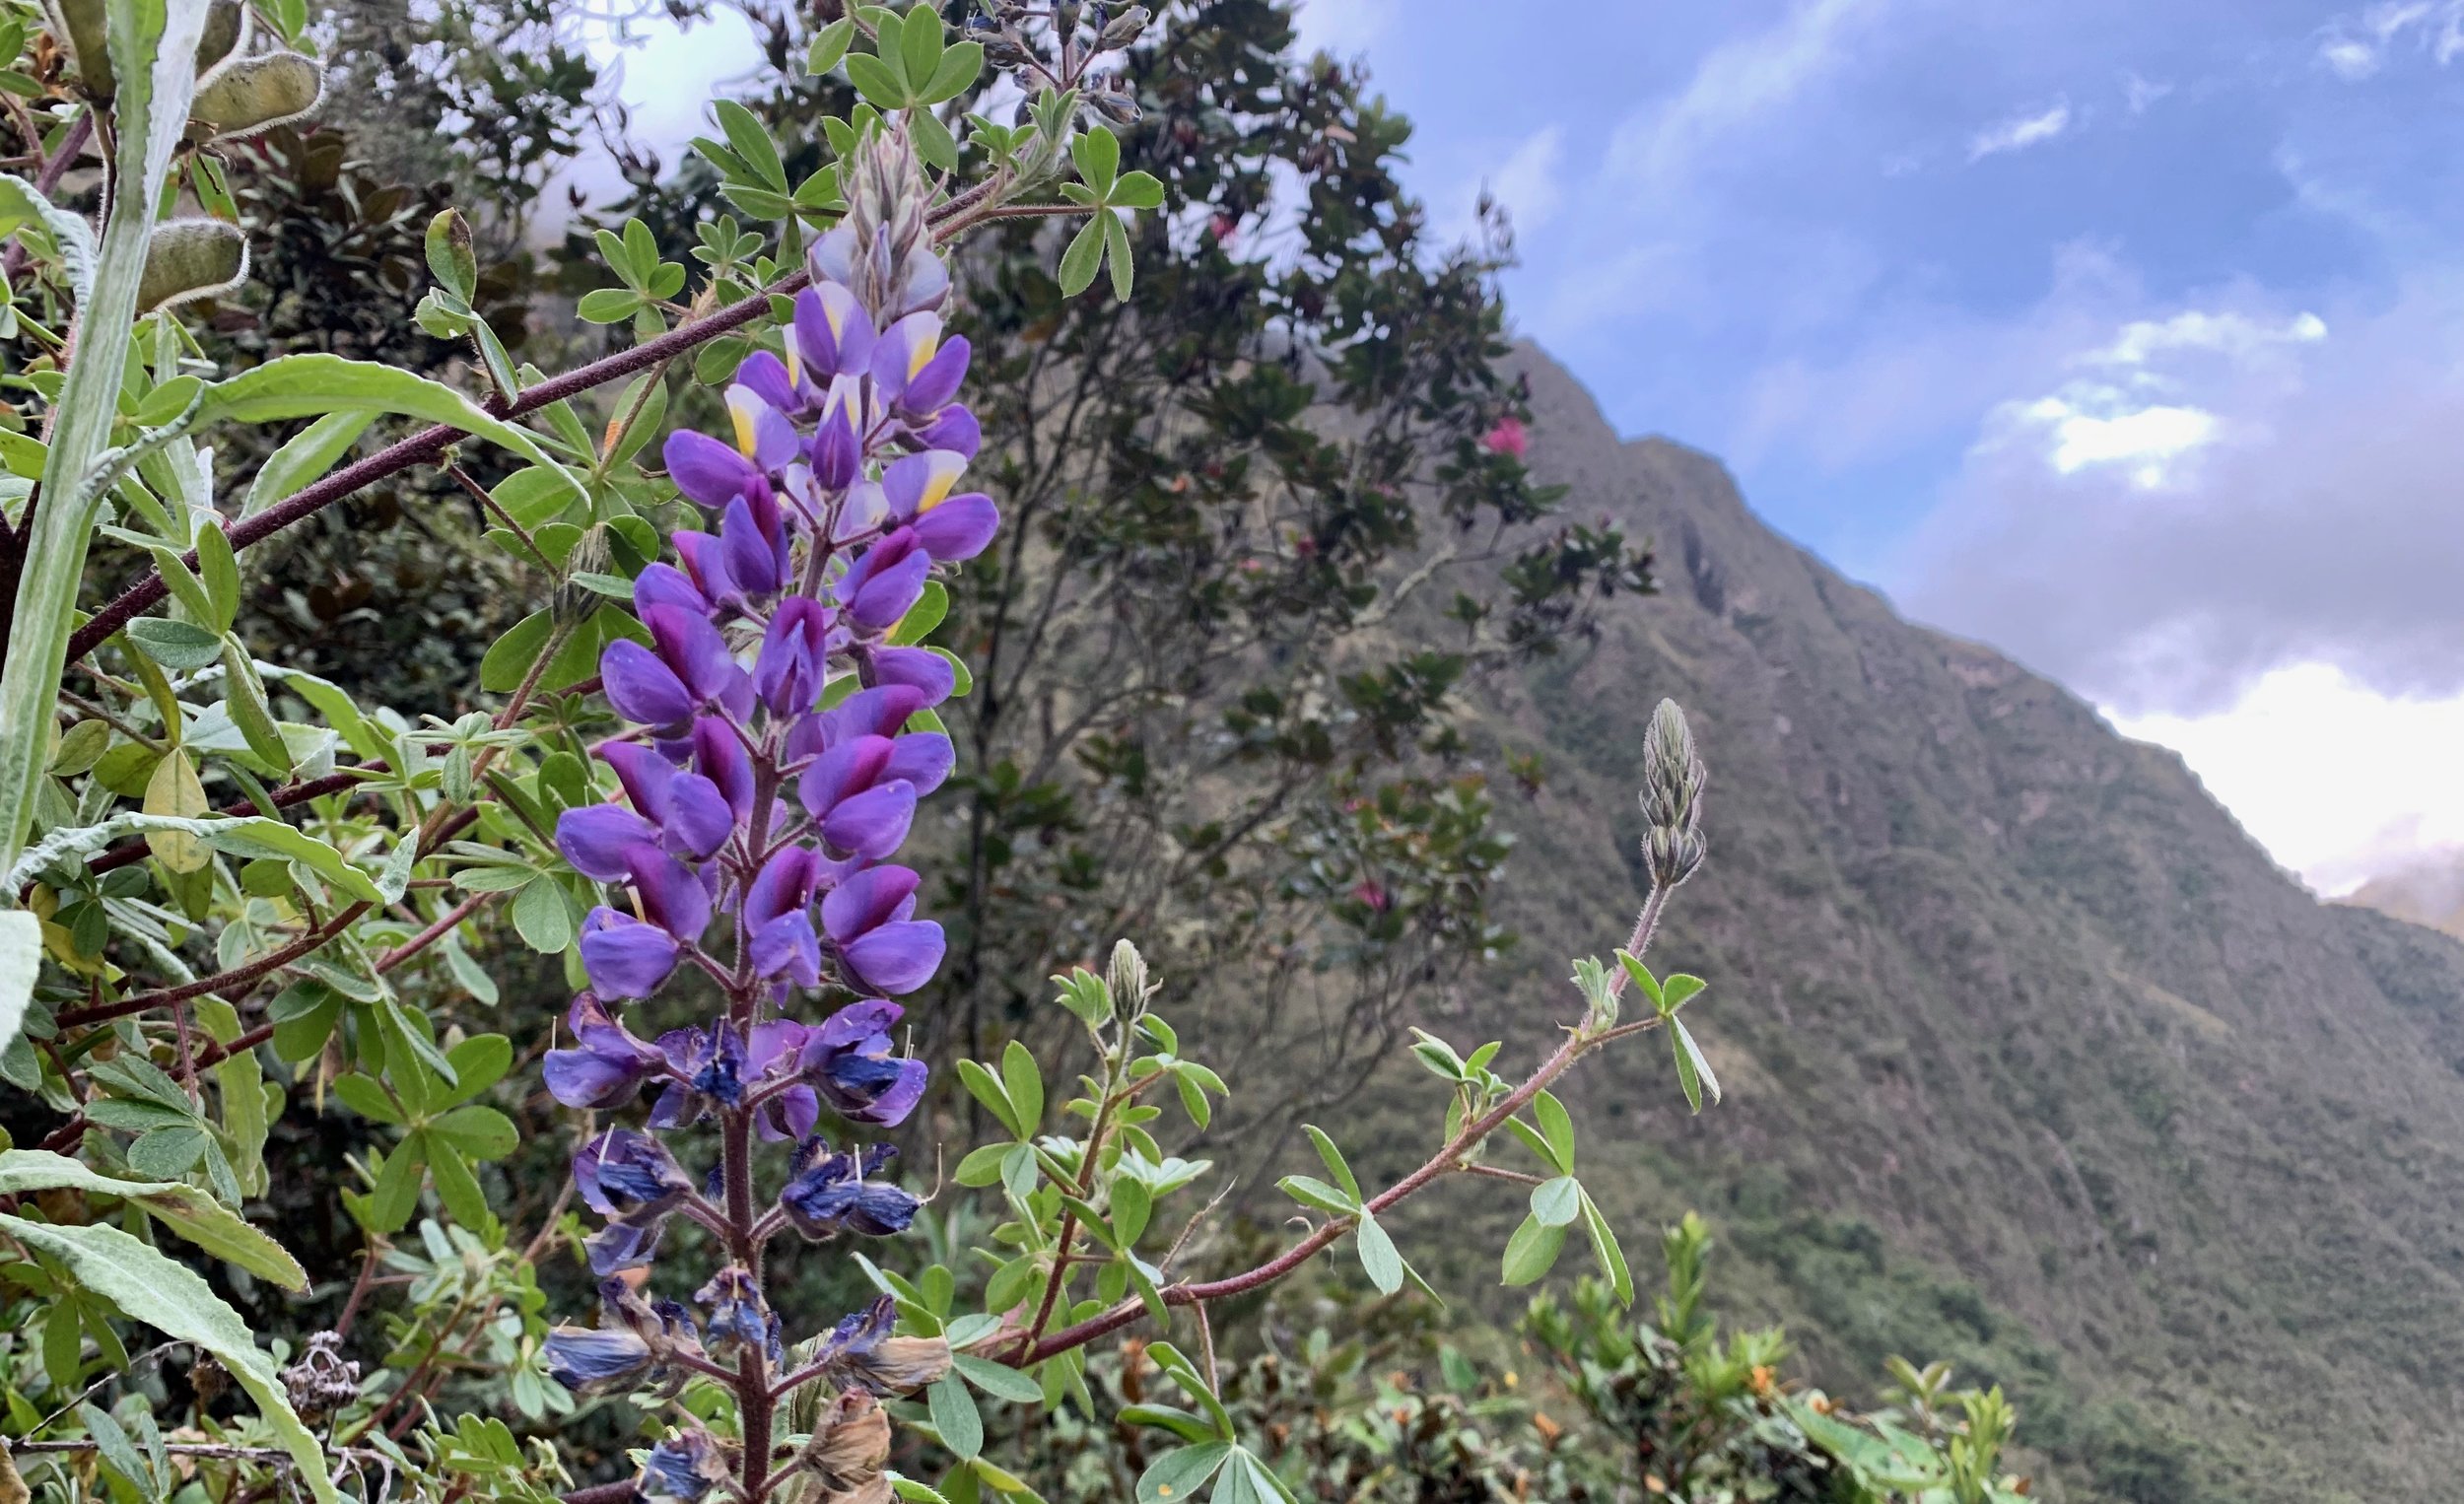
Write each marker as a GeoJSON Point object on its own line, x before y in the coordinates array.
{"type": "Point", "coordinates": [1672, 798]}
{"type": "Point", "coordinates": [575, 604]}
{"type": "Point", "coordinates": [1125, 28]}
{"type": "Point", "coordinates": [1114, 106]}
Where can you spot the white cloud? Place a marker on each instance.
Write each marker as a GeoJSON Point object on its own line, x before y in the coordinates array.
{"type": "Point", "coordinates": [1735, 83]}
{"type": "Point", "coordinates": [2229, 333]}
{"type": "Point", "coordinates": [2357, 46]}
{"type": "Point", "coordinates": [1528, 183]}
{"type": "Point", "coordinates": [2021, 132]}
{"type": "Point", "coordinates": [2088, 424]}
{"type": "Point", "coordinates": [2141, 94]}
{"type": "Point", "coordinates": [2340, 781]}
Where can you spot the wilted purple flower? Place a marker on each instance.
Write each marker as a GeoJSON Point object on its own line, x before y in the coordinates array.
{"type": "Point", "coordinates": [736, 1318]}
{"type": "Point", "coordinates": [687, 1465]}
{"type": "Point", "coordinates": [861, 1350]}
{"type": "Point", "coordinates": [631, 1342]}
{"type": "Point", "coordinates": [608, 1065]}
{"type": "Point", "coordinates": [708, 1071]}
{"type": "Point", "coordinates": [632, 1179]}
{"type": "Point", "coordinates": [774, 1050]}
{"type": "Point", "coordinates": [831, 1192]}
{"type": "Point", "coordinates": [850, 1058]}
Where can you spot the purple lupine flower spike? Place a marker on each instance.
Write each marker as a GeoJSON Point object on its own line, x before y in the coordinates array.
{"type": "Point", "coordinates": [825, 518]}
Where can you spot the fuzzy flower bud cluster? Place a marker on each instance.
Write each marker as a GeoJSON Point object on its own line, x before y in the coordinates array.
{"type": "Point", "coordinates": [781, 741]}
{"type": "Point", "coordinates": [1672, 798]}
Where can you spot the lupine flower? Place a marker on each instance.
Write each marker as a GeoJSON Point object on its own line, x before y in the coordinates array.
{"type": "Point", "coordinates": [632, 1179]}
{"type": "Point", "coordinates": [631, 1342]}
{"type": "Point", "coordinates": [708, 1070]}
{"type": "Point", "coordinates": [866, 921]}
{"type": "Point", "coordinates": [606, 1066]}
{"type": "Point", "coordinates": [831, 1192]}
{"type": "Point", "coordinates": [849, 1059]}
{"type": "Point", "coordinates": [750, 804]}
{"type": "Point", "coordinates": [623, 956]}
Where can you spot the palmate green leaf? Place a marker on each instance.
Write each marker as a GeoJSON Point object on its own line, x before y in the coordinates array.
{"type": "Point", "coordinates": [1556, 1126]}
{"type": "Point", "coordinates": [65, 234]}
{"type": "Point", "coordinates": [184, 1209]}
{"type": "Point", "coordinates": [999, 1380]}
{"type": "Point", "coordinates": [316, 383]}
{"type": "Point", "coordinates": [152, 46]}
{"type": "Point", "coordinates": [1024, 1083]}
{"type": "Point", "coordinates": [1557, 1202]}
{"type": "Point", "coordinates": [168, 1296]}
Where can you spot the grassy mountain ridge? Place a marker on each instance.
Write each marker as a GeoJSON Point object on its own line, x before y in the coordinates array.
{"type": "Point", "coordinates": [2034, 1060]}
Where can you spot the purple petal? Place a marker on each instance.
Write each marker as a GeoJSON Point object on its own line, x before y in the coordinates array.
{"type": "Point", "coordinates": [770, 381]}
{"type": "Point", "coordinates": [787, 946]}
{"type": "Point", "coordinates": [639, 687]}
{"type": "Point", "coordinates": [920, 758]}
{"type": "Point", "coordinates": [596, 838]}
{"type": "Point", "coordinates": [896, 957]}
{"type": "Point", "coordinates": [848, 768]}
{"type": "Point", "coordinates": [920, 667]}
{"type": "Point", "coordinates": [586, 1078]}
{"type": "Point", "coordinates": [691, 647]}
{"type": "Point", "coordinates": [625, 958]}
{"type": "Point", "coordinates": [718, 755]}
{"type": "Point", "coordinates": [795, 658]}
{"type": "Point", "coordinates": [646, 775]}
{"type": "Point", "coordinates": [753, 555]}
{"type": "Point", "coordinates": [959, 528]}
{"type": "Point", "coordinates": [698, 819]}
{"type": "Point", "coordinates": [785, 885]}
{"type": "Point", "coordinates": [932, 387]}
{"type": "Point", "coordinates": [672, 897]}
{"type": "Point", "coordinates": [763, 432]}
{"type": "Point", "coordinates": [920, 482]}
{"type": "Point", "coordinates": [705, 563]}
{"type": "Point", "coordinates": [890, 593]}
{"type": "Point", "coordinates": [707, 470]}
{"type": "Point", "coordinates": [664, 584]}
{"type": "Point", "coordinates": [955, 429]}
{"type": "Point", "coordinates": [873, 897]}
{"type": "Point", "coordinates": [871, 823]}
{"type": "Point", "coordinates": [833, 333]}
{"type": "Point", "coordinates": [877, 712]}
{"type": "Point", "coordinates": [905, 349]}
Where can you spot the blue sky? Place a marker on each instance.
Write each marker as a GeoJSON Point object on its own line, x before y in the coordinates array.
{"type": "Point", "coordinates": [2128, 337]}
{"type": "Point", "coordinates": [2125, 336]}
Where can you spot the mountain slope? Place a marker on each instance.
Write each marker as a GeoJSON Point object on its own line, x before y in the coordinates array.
{"type": "Point", "coordinates": [2034, 1060]}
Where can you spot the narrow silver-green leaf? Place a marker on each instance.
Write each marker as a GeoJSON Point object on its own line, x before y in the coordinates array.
{"type": "Point", "coordinates": [153, 46]}
{"type": "Point", "coordinates": [316, 383]}
{"type": "Point", "coordinates": [169, 1297]}
{"type": "Point", "coordinates": [184, 1209]}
